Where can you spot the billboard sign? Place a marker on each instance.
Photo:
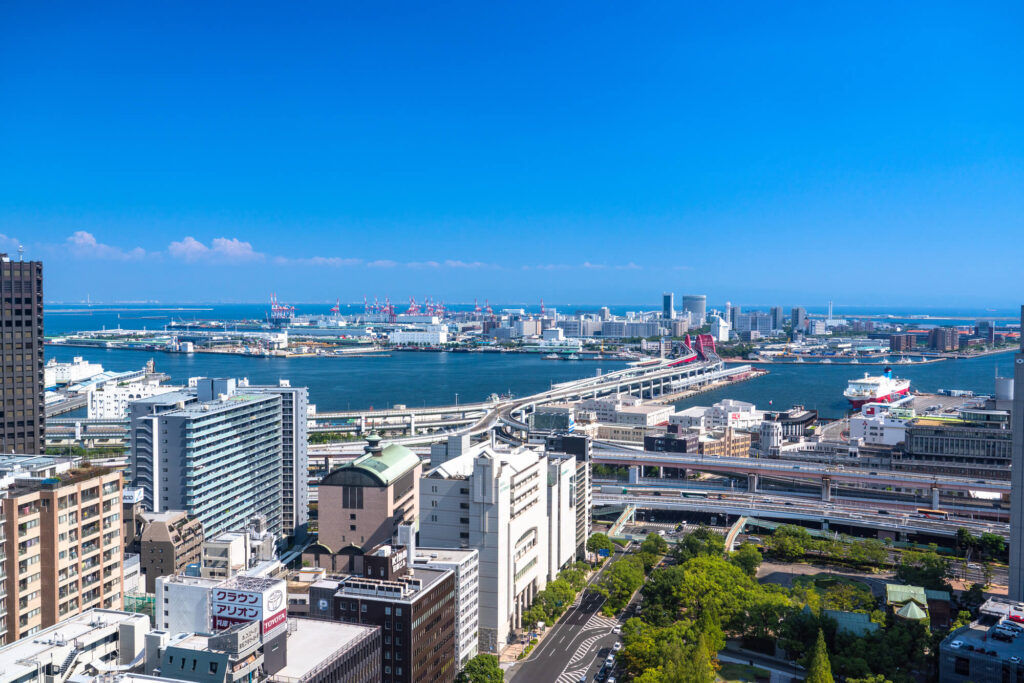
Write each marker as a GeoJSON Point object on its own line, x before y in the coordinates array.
{"type": "Point", "coordinates": [265, 604]}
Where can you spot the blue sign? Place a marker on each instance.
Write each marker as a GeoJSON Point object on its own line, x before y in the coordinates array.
{"type": "Point", "coordinates": [603, 552]}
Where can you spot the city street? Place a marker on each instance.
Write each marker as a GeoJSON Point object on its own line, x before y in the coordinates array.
{"type": "Point", "coordinates": [575, 647]}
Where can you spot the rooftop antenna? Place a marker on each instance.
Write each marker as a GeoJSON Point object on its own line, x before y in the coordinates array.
{"type": "Point", "coordinates": [21, 252]}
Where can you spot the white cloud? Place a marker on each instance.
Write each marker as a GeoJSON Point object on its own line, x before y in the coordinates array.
{"type": "Point", "coordinates": [552, 266]}
{"type": "Point", "coordinates": [330, 261]}
{"type": "Point", "coordinates": [463, 264]}
{"type": "Point", "coordinates": [588, 264]}
{"type": "Point", "coordinates": [84, 245]}
{"type": "Point", "coordinates": [424, 264]}
{"type": "Point", "coordinates": [629, 266]}
{"type": "Point", "coordinates": [221, 249]}
{"type": "Point", "coordinates": [382, 263]}
{"type": "Point", "coordinates": [9, 244]}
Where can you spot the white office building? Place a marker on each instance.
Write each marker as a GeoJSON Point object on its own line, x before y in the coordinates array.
{"type": "Point", "coordinates": [110, 401]}
{"type": "Point", "coordinates": [720, 329]}
{"type": "Point", "coordinates": [465, 564]}
{"type": "Point", "coordinates": [735, 414]}
{"type": "Point", "coordinates": [79, 369]}
{"type": "Point", "coordinates": [879, 424]}
{"type": "Point", "coordinates": [496, 502]}
{"type": "Point", "coordinates": [561, 513]}
{"type": "Point", "coordinates": [429, 335]}
{"type": "Point", "coordinates": [626, 410]}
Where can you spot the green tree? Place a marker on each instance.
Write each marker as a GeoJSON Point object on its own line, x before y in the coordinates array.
{"type": "Point", "coordinates": [819, 671]}
{"type": "Point", "coordinates": [620, 581]}
{"type": "Point", "coordinates": [482, 669]}
{"type": "Point", "coordinates": [993, 545]}
{"type": "Point", "coordinates": [701, 541]}
{"type": "Point", "coordinates": [789, 542]}
{"type": "Point", "coordinates": [963, 617]}
{"type": "Point", "coordinates": [702, 662]}
{"type": "Point", "coordinates": [533, 615]}
{"type": "Point", "coordinates": [965, 540]}
{"type": "Point", "coordinates": [926, 569]}
{"type": "Point", "coordinates": [654, 544]}
{"type": "Point", "coordinates": [747, 558]}
{"type": "Point", "coordinates": [598, 542]}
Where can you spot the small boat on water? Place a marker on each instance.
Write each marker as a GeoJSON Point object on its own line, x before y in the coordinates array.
{"type": "Point", "coordinates": [550, 356]}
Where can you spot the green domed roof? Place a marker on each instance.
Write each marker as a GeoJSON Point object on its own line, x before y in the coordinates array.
{"type": "Point", "coordinates": [383, 466]}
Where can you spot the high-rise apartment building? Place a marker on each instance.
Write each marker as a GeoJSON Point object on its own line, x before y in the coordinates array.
{"type": "Point", "coordinates": [798, 318]}
{"type": "Point", "coordinates": [902, 342]}
{"type": "Point", "coordinates": [214, 452]}
{"type": "Point", "coordinates": [944, 339]}
{"type": "Point", "coordinates": [778, 318]}
{"type": "Point", "coordinates": [1016, 588]}
{"type": "Point", "coordinates": [21, 344]}
{"type": "Point", "coordinates": [756, 321]}
{"type": "Point", "coordinates": [62, 541]}
{"type": "Point", "coordinates": [668, 306]}
{"type": "Point", "coordinates": [294, 454]}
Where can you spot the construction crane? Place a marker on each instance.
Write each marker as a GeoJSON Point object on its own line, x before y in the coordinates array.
{"type": "Point", "coordinates": [414, 308]}
{"type": "Point", "coordinates": [336, 308]}
{"type": "Point", "coordinates": [476, 307]}
{"type": "Point", "coordinates": [542, 308]}
{"type": "Point", "coordinates": [487, 307]}
{"type": "Point", "coordinates": [279, 311]}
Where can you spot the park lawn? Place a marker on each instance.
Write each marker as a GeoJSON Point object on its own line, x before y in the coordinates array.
{"type": "Point", "coordinates": [735, 672]}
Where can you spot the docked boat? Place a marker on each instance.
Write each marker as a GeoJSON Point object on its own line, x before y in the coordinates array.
{"type": "Point", "coordinates": [550, 356]}
{"type": "Point", "coordinates": [882, 388]}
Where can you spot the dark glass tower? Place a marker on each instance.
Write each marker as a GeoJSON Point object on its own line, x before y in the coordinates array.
{"type": "Point", "coordinates": [21, 355]}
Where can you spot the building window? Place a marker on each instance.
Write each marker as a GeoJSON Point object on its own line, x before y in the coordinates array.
{"type": "Point", "coordinates": [352, 497]}
{"type": "Point", "coordinates": [213, 667]}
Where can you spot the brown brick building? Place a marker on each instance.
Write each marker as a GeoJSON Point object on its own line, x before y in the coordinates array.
{"type": "Point", "coordinates": [170, 541]}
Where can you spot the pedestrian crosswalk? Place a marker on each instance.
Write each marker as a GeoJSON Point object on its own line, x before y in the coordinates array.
{"type": "Point", "coordinates": [571, 676]}
{"type": "Point", "coordinates": [584, 649]}
{"type": "Point", "coordinates": [598, 620]}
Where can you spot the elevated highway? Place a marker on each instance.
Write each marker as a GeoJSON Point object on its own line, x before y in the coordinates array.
{"type": "Point", "coordinates": [895, 526]}
{"type": "Point", "coordinates": [824, 475]}
{"type": "Point", "coordinates": [645, 380]}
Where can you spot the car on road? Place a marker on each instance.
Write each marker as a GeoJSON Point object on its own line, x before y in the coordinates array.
{"type": "Point", "coordinates": [617, 630]}
{"type": "Point", "coordinates": [972, 565]}
{"type": "Point", "coordinates": [616, 647]}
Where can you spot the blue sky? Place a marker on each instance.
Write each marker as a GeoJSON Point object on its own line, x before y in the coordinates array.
{"type": "Point", "coordinates": [599, 152]}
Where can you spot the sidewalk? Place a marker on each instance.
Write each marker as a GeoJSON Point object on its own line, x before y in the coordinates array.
{"type": "Point", "coordinates": [510, 655]}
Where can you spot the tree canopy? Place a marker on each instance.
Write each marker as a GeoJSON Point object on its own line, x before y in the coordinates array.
{"type": "Point", "coordinates": [481, 669]}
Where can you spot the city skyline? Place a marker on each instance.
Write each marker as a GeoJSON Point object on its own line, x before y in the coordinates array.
{"type": "Point", "coordinates": [520, 153]}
